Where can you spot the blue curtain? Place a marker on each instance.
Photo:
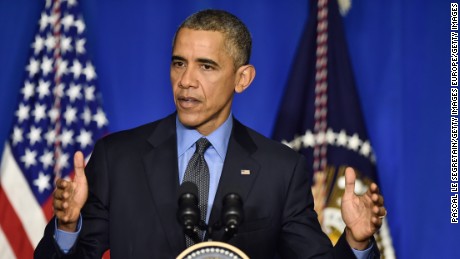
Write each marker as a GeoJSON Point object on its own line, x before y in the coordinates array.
{"type": "Point", "coordinates": [400, 52]}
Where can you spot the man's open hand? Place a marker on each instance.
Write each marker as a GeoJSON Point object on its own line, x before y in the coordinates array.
{"type": "Point", "coordinates": [362, 214]}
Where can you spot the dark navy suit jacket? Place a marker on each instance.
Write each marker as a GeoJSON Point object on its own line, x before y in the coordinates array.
{"type": "Point", "coordinates": [133, 184]}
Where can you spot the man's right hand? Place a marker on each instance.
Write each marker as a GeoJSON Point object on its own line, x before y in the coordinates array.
{"type": "Point", "coordinates": [70, 196]}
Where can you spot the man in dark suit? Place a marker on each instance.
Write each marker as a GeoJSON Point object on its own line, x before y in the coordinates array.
{"type": "Point", "coordinates": [125, 199]}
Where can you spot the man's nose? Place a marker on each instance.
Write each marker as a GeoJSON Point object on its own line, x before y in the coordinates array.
{"type": "Point", "coordinates": [188, 78]}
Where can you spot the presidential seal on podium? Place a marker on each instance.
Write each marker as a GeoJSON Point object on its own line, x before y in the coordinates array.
{"type": "Point", "coordinates": [212, 250]}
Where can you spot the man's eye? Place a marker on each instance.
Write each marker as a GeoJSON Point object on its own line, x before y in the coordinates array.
{"type": "Point", "coordinates": [207, 67]}
{"type": "Point", "coordinates": [178, 64]}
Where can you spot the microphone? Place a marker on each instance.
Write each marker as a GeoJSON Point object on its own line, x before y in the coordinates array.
{"type": "Point", "coordinates": [188, 213]}
{"type": "Point", "coordinates": [232, 214]}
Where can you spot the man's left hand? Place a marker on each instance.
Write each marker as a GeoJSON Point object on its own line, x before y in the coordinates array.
{"type": "Point", "coordinates": [362, 214]}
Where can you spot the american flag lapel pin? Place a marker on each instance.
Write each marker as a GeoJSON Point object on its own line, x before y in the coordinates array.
{"type": "Point", "coordinates": [245, 172]}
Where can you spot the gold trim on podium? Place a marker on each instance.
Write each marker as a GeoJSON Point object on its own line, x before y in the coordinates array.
{"type": "Point", "coordinates": [212, 250]}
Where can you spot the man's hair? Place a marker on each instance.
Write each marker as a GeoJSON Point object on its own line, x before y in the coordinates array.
{"type": "Point", "coordinates": [237, 38]}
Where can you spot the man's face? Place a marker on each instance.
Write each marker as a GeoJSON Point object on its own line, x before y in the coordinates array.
{"type": "Point", "coordinates": [203, 79]}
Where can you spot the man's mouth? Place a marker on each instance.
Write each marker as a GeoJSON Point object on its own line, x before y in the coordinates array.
{"type": "Point", "coordinates": [187, 102]}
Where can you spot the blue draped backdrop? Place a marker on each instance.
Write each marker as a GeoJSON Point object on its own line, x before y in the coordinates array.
{"type": "Point", "coordinates": [400, 52]}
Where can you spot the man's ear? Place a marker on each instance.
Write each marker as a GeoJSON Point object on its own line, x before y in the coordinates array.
{"type": "Point", "coordinates": [245, 75]}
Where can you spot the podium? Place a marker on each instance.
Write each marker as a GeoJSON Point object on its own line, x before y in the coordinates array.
{"type": "Point", "coordinates": [212, 250]}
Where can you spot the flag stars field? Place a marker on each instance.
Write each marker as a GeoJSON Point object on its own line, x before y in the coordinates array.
{"type": "Point", "coordinates": [39, 112]}
{"type": "Point", "coordinates": [86, 116]}
{"type": "Point", "coordinates": [76, 69]}
{"type": "Point", "coordinates": [67, 137]}
{"type": "Point", "coordinates": [53, 114]}
{"type": "Point", "coordinates": [85, 138]}
{"type": "Point", "coordinates": [34, 135]}
{"type": "Point", "coordinates": [89, 72]}
{"type": "Point", "coordinates": [89, 93]}
{"type": "Point", "coordinates": [38, 44]}
{"type": "Point", "coordinates": [70, 115]}
{"type": "Point", "coordinates": [22, 113]}
{"type": "Point", "coordinates": [67, 22]}
{"type": "Point", "coordinates": [66, 44]}
{"type": "Point", "coordinates": [29, 158]}
{"type": "Point", "coordinates": [59, 112]}
{"type": "Point", "coordinates": [100, 118]}
{"type": "Point", "coordinates": [63, 161]}
{"type": "Point", "coordinates": [46, 66]}
{"type": "Point", "coordinates": [50, 136]}
{"type": "Point", "coordinates": [17, 136]}
{"type": "Point", "coordinates": [43, 88]}
{"type": "Point", "coordinates": [43, 22]}
{"type": "Point", "coordinates": [80, 25]}
{"type": "Point", "coordinates": [43, 182]}
{"type": "Point", "coordinates": [28, 90]}
{"type": "Point", "coordinates": [80, 46]}
{"type": "Point", "coordinates": [74, 92]}
{"type": "Point", "coordinates": [47, 159]}
{"type": "Point", "coordinates": [33, 67]}
{"type": "Point", "coordinates": [62, 67]}
{"type": "Point", "coordinates": [50, 42]}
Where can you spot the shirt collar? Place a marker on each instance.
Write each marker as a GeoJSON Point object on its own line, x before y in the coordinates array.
{"type": "Point", "coordinates": [186, 137]}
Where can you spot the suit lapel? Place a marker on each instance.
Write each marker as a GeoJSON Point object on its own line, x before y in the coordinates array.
{"type": "Point", "coordinates": [161, 167]}
{"type": "Point", "coordinates": [233, 178]}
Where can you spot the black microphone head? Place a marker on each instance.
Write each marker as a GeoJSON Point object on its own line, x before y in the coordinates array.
{"type": "Point", "coordinates": [232, 199]}
{"type": "Point", "coordinates": [232, 211]}
{"type": "Point", "coordinates": [188, 213]}
{"type": "Point", "coordinates": [188, 188]}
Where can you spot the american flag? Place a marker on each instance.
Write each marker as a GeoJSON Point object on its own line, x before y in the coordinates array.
{"type": "Point", "coordinates": [320, 116]}
{"type": "Point", "coordinates": [59, 112]}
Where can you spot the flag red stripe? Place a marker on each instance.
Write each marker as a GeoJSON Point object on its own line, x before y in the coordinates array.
{"type": "Point", "coordinates": [13, 229]}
